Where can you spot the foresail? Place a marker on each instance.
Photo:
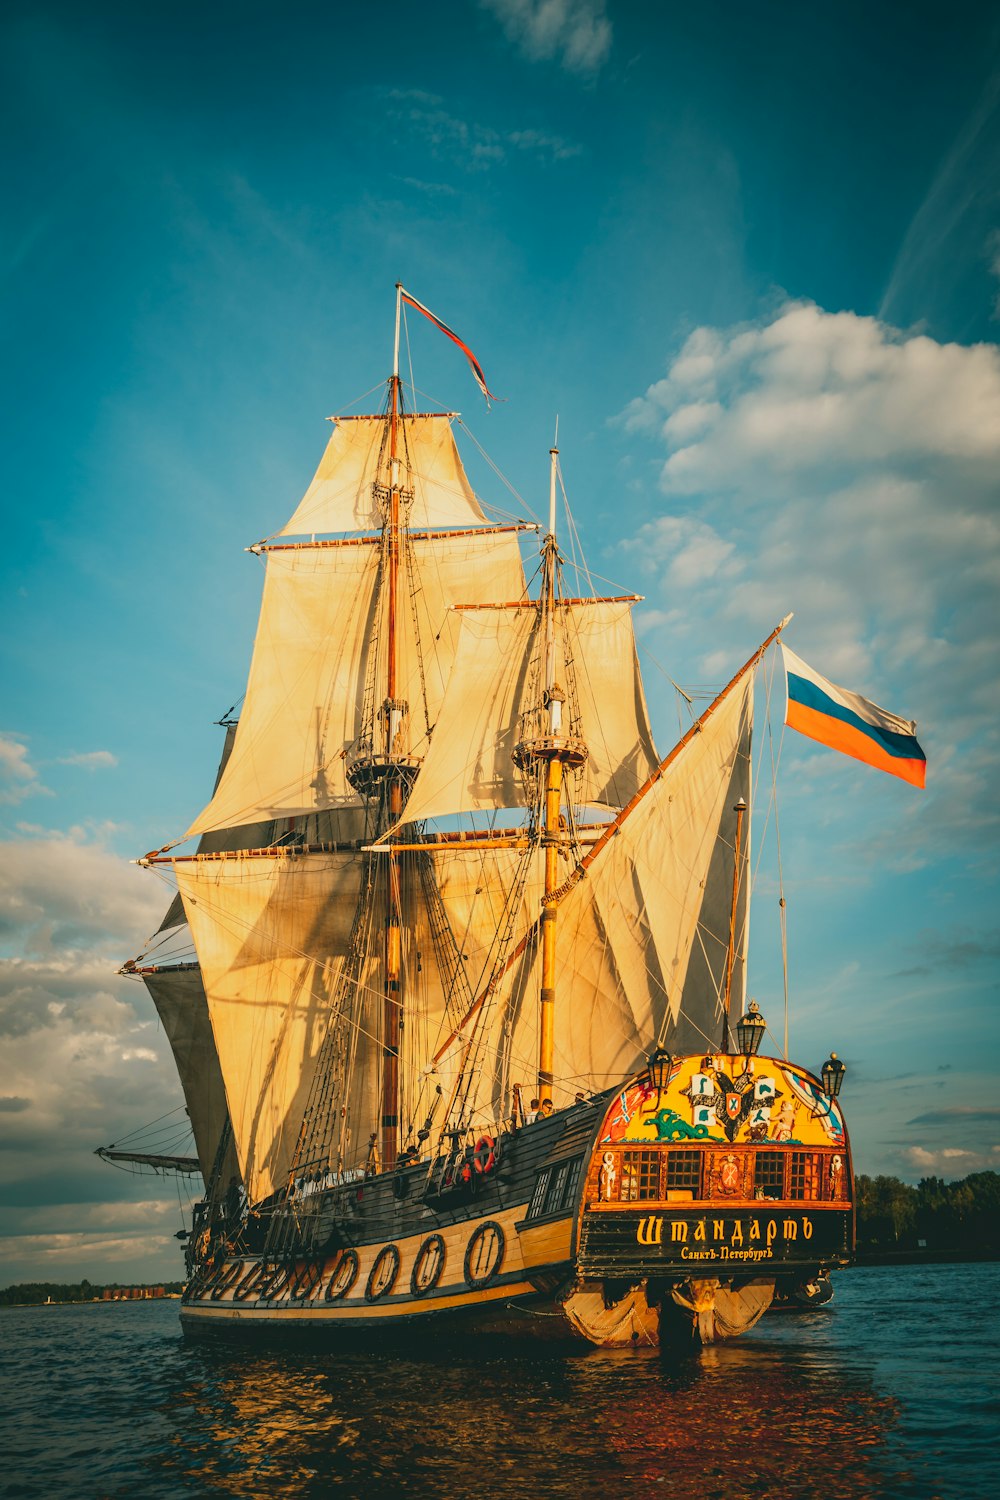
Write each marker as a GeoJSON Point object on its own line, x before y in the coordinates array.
{"type": "Point", "coordinates": [470, 766]}
{"type": "Point", "coordinates": [303, 712]}
{"type": "Point", "coordinates": [342, 497]}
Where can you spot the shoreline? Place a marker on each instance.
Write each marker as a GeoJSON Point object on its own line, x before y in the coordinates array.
{"type": "Point", "coordinates": [923, 1257]}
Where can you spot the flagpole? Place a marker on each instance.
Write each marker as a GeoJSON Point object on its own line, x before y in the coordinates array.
{"type": "Point", "coordinates": [395, 347]}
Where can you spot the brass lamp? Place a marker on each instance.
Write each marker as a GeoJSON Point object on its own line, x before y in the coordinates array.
{"type": "Point", "coordinates": [833, 1075]}
{"type": "Point", "coordinates": [750, 1030]}
{"type": "Point", "coordinates": [659, 1064]}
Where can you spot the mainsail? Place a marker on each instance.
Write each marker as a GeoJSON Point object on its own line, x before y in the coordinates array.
{"type": "Point", "coordinates": [271, 934]}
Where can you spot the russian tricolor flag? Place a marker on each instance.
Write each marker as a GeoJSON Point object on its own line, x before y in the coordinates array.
{"type": "Point", "coordinates": [846, 721]}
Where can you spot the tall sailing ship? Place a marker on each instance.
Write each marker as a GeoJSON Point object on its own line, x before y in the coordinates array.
{"type": "Point", "coordinates": [464, 1040]}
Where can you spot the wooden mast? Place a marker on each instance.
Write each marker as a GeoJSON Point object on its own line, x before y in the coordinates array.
{"type": "Point", "coordinates": [727, 994]}
{"type": "Point", "coordinates": [553, 797]}
{"type": "Point", "coordinates": [392, 713]}
{"type": "Point", "coordinates": [555, 749]}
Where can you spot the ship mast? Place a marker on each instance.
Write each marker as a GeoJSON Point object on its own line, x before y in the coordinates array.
{"type": "Point", "coordinates": [554, 751]}
{"type": "Point", "coordinates": [392, 715]}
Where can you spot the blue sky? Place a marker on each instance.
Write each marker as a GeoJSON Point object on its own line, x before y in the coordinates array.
{"type": "Point", "coordinates": [749, 255]}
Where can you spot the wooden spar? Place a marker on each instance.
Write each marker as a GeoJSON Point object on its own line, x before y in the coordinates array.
{"type": "Point", "coordinates": [609, 832]}
{"type": "Point", "coordinates": [414, 416]}
{"type": "Point", "coordinates": [739, 809]}
{"type": "Point", "coordinates": [414, 536]}
{"type": "Point", "coordinates": [501, 838]}
{"type": "Point", "coordinates": [547, 1014]}
{"type": "Point", "coordinates": [186, 1164]}
{"type": "Point", "coordinates": [393, 544]}
{"type": "Point", "coordinates": [558, 603]}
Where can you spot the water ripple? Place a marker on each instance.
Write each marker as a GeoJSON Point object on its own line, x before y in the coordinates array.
{"type": "Point", "coordinates": [889, 1394]}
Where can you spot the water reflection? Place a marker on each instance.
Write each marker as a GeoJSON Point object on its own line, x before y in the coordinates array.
{"type": "Point", "coordinates": [749, 1418]}
{"type": "Point", "coordinates": [891, 1395]}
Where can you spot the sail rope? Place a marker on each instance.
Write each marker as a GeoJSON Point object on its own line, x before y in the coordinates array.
{"type": "Point", "coordinates": [472, 1062]}
{"type": "Point", "coordinates": [173, 1139]}
{"type": "Point", "coordinates": [496, 509]}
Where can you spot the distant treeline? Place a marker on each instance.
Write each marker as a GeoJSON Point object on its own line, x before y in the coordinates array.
{"type": "Point", "coordinates": [29, 1292]}
{"type": "Point", "coordinates": [935, 1215]}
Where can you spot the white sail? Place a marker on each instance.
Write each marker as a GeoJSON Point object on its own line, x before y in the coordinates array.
{"type": "Point", "coordinates": [485, 713]}
{"type": "Point", "coordinates": [486, 893]}
{"type": "Point", "coordinates": [270, 953]}
{"type": "Point", "coordinates": [342, 495]}
{"type": "Point", "coordinates": [319, 624]}
{"type": "Point", "coordinates": [642, 937]}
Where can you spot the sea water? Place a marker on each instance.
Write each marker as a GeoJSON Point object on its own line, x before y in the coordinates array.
{"type": "Point", "coordinates": [892, 1390]}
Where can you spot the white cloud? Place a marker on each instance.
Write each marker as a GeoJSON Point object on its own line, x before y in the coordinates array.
{"type": "Point", "coordinates": [949, 1161]}
{"type": "Point", "coordinates": [60, 893]}
{"type": "Point", "coordinates": [82, 1057]}
{"type": "Point", "coordinates": [686, 551]}
{"type": "Point", "coordinates": [18, 777]}
{"type": "Point", "coordinates": [959, 200]}
{"type": "Point", "coordinates": [58, 1256]}
{"type": "Point", "coordinates": [812, 390]}
{"type": "Point", "coordinates": [478, 147]}
{"type": "Point", "coordinates": [574, 33]}
{"type": "Point", "coordinates": [846, 471]}
{"type": "Point", "coordinates": [90, 760]}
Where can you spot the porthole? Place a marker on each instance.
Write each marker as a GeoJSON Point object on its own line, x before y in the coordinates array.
{"type": "Point", "coordinates": [249, 1284]}
{"type": "Point", "coordinates": [274, 1283]}
{"type": "Point", "coordinates": [382, 1276]}
{"type": "Point", "coordinates": [204, 1279]}
{"type": "Point", "coordinates": [428, 1266]}
{"type": "Point", "coordinates": [305, 1281]}
{"type": "Point", "coordinates": [484, 1257]}
{"type": "Point", "coordinates": [345, 1274]}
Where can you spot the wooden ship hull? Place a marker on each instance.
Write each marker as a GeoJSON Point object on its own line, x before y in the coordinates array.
{"type": "Point", "coordinates": [615, 1222]}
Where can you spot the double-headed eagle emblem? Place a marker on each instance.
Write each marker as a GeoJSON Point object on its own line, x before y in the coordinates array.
{"type": "Point", "coordinates": [734, 1100]}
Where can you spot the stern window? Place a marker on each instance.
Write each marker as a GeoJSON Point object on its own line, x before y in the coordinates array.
{"type": "Point", "coordinates": [684, 1171]}
{"type": "Point", "coordinates": [640, 1175]}
{"type": "Point", "coordinates": [803, 1178]}
{"type": "Point", "coordinates": [769, 1174]}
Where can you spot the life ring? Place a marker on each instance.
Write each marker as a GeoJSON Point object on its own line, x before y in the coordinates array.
{"type": "Point", "coordinates": [484, 1158]}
